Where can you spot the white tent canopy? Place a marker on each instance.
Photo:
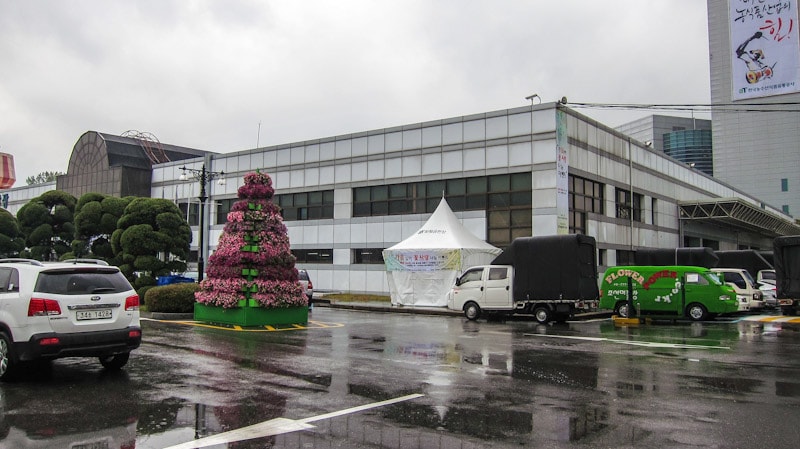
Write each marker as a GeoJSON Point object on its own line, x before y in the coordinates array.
{"type": "Point", "coordinates": [422, 268]}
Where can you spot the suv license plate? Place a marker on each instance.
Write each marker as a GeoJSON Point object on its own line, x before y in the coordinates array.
{"type": "Point", "coordinates": [93, 314]}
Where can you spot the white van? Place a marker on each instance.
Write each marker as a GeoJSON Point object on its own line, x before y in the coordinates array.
{"type": "Point", "coordinates": [767, 276]}
{"type": "Point", "coordinates": [749, 297]}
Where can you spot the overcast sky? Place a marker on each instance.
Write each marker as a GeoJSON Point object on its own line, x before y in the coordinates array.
{"type": "Point", "coordinates": [203, 74]}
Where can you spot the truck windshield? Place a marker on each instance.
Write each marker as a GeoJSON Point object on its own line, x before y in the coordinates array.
{"type": "Point", "coordinates": [713, 278]}
{"type": "Point", "coordinates": [750, 280]}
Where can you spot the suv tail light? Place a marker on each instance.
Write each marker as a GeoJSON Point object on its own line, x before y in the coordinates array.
{"type": "Point", "coordinates": [310, 285]}
{"type": "Point", "coordinates": [132, 303]}
{"type": "Point", "coordinates": [43, 307]}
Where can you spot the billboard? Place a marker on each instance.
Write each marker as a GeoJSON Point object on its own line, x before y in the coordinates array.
{"type": "Point", "coordinates": [765, 51]}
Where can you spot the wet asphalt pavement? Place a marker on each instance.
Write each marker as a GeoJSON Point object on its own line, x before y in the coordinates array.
{"type": "Point", "coordinates": [724, 384]}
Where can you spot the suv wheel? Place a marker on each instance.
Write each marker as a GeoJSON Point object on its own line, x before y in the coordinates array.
{"type": "Point", "coordinates": [7, 362]}
{"type": "Point", "coordinates": [114, 362]}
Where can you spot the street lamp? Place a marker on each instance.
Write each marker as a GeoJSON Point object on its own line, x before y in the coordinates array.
{"type": "Point", "coordinates": [204, 177]}
{"type": "Point", "coordinates": [531, 98]}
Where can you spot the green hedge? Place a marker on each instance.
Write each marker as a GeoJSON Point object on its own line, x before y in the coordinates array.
{"type": "Point", "coordinates": [173, 298]}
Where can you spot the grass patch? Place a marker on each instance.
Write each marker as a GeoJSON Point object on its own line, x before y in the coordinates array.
{"type": "Point", "coordinates": [350, 297]}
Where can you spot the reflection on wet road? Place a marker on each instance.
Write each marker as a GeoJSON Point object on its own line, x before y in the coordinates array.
{"type": "Point", "coordinates": [485, 384]}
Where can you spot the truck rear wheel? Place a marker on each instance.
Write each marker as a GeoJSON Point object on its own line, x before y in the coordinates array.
{"type": "Point", "coordinates": [542, 314]}
{"type": "Point", "coordinates": [622, 310]}
{"type": "Point", "coordinates": [472, 311]}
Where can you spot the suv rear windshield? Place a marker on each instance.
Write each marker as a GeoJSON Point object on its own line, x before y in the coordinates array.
{"type": "Point", "coordinates": [302, 275]}
{"type": "Point", "coordinates": [81, 282]}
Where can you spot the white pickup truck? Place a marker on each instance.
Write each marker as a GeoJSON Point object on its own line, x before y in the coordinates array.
{"type": "Point", "coordinates": [488, 290]}
{"type": "Point", "coordinates": [550, 277]}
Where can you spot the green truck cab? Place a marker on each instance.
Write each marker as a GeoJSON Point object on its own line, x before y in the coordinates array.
{"type": "Point", "coordinates": [667, 291]}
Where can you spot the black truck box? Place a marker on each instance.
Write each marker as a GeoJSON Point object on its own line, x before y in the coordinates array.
{"type": "Point", "coordinates": [786, 254]}
{"type": "Point", "coordinates": [553, 267]}
{"type": "Point", "coordinates": [746, 259]}
{"type": "Point", "coordinates": [696, 257]}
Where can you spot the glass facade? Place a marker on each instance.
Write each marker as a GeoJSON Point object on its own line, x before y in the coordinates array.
{"type": "Point", "coordinates": [692, 146]}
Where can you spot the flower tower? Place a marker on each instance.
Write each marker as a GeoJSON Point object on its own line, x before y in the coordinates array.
{"type": "Point", "coordinates": [251, 278]}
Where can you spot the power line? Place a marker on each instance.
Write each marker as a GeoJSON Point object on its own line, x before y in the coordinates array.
{"type": "Point", "coordinates": [792, 106]}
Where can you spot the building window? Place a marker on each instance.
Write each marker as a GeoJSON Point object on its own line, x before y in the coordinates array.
{"type": "Point", "coordinates": [692, 242]}
{"type": "Point", "coordinates": [223, 207]}
{"type": "Point", "coordinates": [305, 205]}
{"type": "Point", "coordinates": [313, 255]}
{"type": "Point", "coordinates": [191, 211]}
{"type": "Point", "coordinates": [785, 209]}
{"type": "Point", "coordinates": [505, 198]}
{"type": "Point", "coordinates": [627, 209]}
{"type": "Point", "coordinates": [653, 211]}
{"type": "Point", "coordinates": [508, 208]}
{"type": "Point", "coordinates": [577, 222]}
{"type": "Point", "coordinates": [625, 257]}
{"type": "Point", "coordinates": [462, 194]}
{"type": "Point", "coordinates": [784, 184]}
{"type": "Point", "coordinates": [367, 255]}
{"type": "Point", "coordinates": [585, 196]}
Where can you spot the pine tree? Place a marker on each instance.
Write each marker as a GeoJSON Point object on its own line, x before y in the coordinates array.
{"type": "Point", "coordinates": [253, 260]}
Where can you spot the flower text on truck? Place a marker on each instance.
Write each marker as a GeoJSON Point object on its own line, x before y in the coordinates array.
{"type": "Point", "coordinates": [636, 276]}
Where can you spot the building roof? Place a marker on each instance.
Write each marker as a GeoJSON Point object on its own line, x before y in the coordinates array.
{"type": "Point", "coordinates": [737, 214]}
{"type": "Point", "coordinates": [142, 153]}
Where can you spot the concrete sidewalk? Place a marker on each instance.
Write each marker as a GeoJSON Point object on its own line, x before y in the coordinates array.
{"type": "Point", "coordinates": [385, 306]}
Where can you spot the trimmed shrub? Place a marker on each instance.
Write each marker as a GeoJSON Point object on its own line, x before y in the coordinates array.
{"type": "Point", "coordinates": [172, 298]}
{"type": "Point", "coordinates": [143, 281]}
{"type": "Point", "coordinates": [142, 292]}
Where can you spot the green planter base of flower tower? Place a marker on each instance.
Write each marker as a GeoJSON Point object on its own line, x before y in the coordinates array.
{"type": "Point", "coordinates": [250, 316]}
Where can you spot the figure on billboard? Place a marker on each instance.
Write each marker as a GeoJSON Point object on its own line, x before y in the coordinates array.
{"type": "Point", "coordinates": [757, 69]}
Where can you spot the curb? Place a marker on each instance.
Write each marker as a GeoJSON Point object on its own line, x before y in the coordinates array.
{"type": "Point", "coordinates": [388, 308]}
{"type": "Point", "coordinates": [167, 316]}
{"type": "Point", "coordinates": [430, 311]}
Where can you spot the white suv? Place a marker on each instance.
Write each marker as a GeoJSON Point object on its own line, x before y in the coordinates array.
{"type": "Point", "coordinates": [65, 309]}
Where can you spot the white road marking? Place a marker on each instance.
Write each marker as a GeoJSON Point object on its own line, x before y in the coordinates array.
{"type": "Point", "coordinates": [649, 344]}
{"type": "Point", "coordinates": [279, 426]}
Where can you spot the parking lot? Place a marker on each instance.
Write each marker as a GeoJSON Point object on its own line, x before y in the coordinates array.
{"type": "Point", "coordinates": [458, 383]}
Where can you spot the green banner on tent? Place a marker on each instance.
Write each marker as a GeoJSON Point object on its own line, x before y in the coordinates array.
{"type": "Point", "coordinates": [422, 260]}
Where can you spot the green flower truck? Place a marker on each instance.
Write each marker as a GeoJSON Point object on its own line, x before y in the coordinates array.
{"type": "Point", "coordinates": [666, 291]}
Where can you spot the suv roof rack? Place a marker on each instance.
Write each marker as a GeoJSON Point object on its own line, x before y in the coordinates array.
{"type": "Point", "coordinates": [92, 261]}
{"type": "Point", "coordinates": [21, 260]}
